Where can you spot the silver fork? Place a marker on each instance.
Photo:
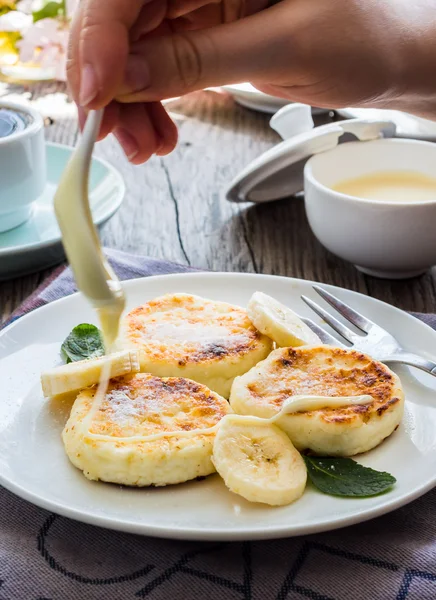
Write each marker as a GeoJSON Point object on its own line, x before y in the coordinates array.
{"type": "Point", "coordinates": [372, 339]}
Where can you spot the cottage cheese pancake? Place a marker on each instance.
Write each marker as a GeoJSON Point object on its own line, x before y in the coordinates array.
{"type": "Point", "coordinates": [145, 431]}
{"type": "Point", "coordinates": [324, 371]}
{"type": "Point", "coordinates": [179, 335]}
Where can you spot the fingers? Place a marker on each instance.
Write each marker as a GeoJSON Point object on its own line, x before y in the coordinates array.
{"type": "Point", "coordinates": [254, 48]}
{"type": "Point", "coordinates": [141, 129]}
{"type": "Point", "coordinates": [73, 61]}
{"type": "Point", "coordinates": [178, 9]}
{"type": "Point", "coordinates": [110, 119]}
{"type": "Point", "coordinates": [165, 128]}
{"type": "Point", "coordinates": [151, 16]}
{"type": "Point", "coordinates": [98, 49]}
{"type": "Point", "coordinates": [144, 130]}
{"type": "Point", "coordinates": [228, 10]}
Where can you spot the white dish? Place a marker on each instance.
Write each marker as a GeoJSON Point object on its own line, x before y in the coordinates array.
{"type": "Point", "coordinates": [22, 163]}
{"type": "Point", "coordinates": [36, 244]}
{"type": "Point", "coordinates": [34, 466]}
{"type": "Point", "coordinates": [248, 96]}
{"type": "Point", "coordinates": [24, 73]}
{"type": "Point", "coordinates": [408, 126]}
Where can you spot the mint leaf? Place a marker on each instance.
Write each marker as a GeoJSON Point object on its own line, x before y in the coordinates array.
{"type": "Point", "coordinates": [346, 477]}
{"type": "Point", "coordinates": [50, 10]}
{"type": "Point", "coordinates": [85, 341]}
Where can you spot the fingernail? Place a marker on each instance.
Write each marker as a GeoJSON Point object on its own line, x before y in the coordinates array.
{"type": "Point", "coordinates": [88, 85]}
{"type": "Point", "coordinates": [127, 142]}
{"type": "Point", "coordinates": [137, 73]}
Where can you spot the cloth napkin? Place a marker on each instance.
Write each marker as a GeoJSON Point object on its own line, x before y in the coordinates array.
{"type": "Point", "coordinates": [47, 557]}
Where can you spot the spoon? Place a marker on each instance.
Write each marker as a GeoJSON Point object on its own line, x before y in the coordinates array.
{"type": "Point", "coordinates": [94, 276]}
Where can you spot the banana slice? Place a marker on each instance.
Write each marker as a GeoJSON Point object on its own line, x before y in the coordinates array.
{"type": "Point", "coordinates": [279, 322]}
{"type": "Point", "coordinates": [81, 374]}
{"type": "Point", "coordinates": [258, 461]}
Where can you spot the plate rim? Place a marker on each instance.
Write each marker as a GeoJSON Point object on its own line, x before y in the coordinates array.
{"type": "Point", "coordinates": [267, 108]}
{"type": "Point", "coordinates": [255, 95]}
{"type": "Point", "coordinates": [349, 113]}
{"type": "Point", "coordinates": [15, 250]}
{"type": "Point", "coordinates": [265, 103]}
{"type": "Point", "coordinates": [203, 534]}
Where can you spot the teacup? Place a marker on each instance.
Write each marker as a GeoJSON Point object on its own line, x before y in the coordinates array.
{"type": "Point", "coordinates": [22, 163]}
{"type": "Point", "coordinates": [383, 238]}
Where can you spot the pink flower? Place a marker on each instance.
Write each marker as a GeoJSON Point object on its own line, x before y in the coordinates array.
{"type": "Point", "coordinates": [45, 43]}
{"type": "Point", "coordinates": [15, 21]}
{"type": "Point", "coordinates": [25, 6]}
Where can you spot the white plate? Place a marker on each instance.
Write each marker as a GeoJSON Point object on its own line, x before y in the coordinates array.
{"type": "Point", "coordinates": [36, 244]}
{"type": "Point", "coordinates": [34, 466]}
{"type": "Point", "coordinates": [24, 73]}
{"type": "Point", "coordinates": [408, 126]}
{"type": "Point", "coordinates": [248, 96]}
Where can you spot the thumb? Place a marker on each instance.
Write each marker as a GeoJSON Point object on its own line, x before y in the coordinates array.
{"type": "Point", "coordinates": [255, 48]}
{"type": "Point", "coordinates": [98, 49]}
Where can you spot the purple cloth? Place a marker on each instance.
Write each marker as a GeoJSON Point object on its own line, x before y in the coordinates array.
{"type": "Point", "coordinates": [47, 557]}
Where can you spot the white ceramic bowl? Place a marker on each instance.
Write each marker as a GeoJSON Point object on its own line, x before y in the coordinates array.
{"type": "Point", "coordinates": [22, 167]}
{"type": "Point", "coordinates": [381, 238]}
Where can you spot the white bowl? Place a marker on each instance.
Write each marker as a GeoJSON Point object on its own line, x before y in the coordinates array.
{"type": "Point", "coordinates": [381, 238]}
{"type": "Point", "coordinates": [22, 167]}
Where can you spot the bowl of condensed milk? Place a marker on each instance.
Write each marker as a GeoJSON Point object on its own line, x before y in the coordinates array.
{"type": "Point", "coordinates": [373, 203]}
{"type": "Point", "coordinates": [370, 197]}
{"type": "Point", "coordinates": [22, 163]}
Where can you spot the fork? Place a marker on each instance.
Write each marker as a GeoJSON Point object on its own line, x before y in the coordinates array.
{"type": "Point", "coordinates": [92, 272]}
{"type": "Point", "coordinates": [372, 339]}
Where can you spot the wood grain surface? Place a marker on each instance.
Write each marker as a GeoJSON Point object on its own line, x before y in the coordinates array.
{"type": "Point", "coordinates": [175, 207]}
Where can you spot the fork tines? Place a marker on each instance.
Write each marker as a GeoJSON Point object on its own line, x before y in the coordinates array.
{"type": "Point", "coordinates": [350, 315]}
{"type": "Point", "coordinates": [324, 336]}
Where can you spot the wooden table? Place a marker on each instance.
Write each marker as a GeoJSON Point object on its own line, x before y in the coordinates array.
{"type": "Point", "coordinates": [175, 207]}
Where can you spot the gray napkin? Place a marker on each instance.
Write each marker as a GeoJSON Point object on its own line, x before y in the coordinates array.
{"type": "Point", "coordinates": [47, 557]}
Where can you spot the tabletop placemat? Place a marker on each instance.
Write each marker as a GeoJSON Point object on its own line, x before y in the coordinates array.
{"type": "Point", "coordinates": [47, 557]}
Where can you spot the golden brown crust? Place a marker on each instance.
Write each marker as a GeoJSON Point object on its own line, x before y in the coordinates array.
{"type": "Point", "coordinates": [209, 334]}
{"type": "Point", "coordinates": [147, 431]}
{"type": "Point", "coordinates": [327, 371]}
{"type": "Point", "coordinates": [145, 405]}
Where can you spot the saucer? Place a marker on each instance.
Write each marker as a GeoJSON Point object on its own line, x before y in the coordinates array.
{"type": "Point", "coordinates": [36, 244]}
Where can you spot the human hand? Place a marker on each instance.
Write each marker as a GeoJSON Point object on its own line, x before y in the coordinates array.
{"type": "Point", "coordinates": [330, 54]}
{"type": "Point", "coordinates": [102, 37]}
